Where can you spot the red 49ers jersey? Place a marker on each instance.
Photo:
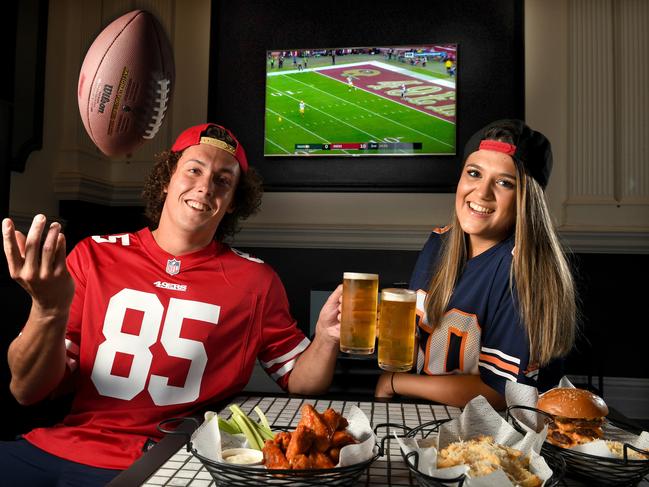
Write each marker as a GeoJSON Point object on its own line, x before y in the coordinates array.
{"type": "Point", "coordinates": [152, 336]}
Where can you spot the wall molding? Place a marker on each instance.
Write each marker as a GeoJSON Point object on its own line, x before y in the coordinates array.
{"type": "Point", "coordinates": [412, 237]}
{"type": "Point", "coordinates": [607, 113]}
{"type": "Point", "coordinates": [77, 186]}
{"type": "Point", "coordinates": [369, 237]}
{"type": "Point", "coordinates": [605, 242]}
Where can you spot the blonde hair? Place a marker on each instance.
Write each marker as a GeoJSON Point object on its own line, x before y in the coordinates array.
{"type": "Point", "coordinates": [544, 283]}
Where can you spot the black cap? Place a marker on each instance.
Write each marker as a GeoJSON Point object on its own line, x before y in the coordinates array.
{"type": "Point", "coordinates": [533, 150]}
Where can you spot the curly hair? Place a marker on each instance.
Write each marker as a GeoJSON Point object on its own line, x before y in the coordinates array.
{"type": "Point", "coordinates": [247, 196]}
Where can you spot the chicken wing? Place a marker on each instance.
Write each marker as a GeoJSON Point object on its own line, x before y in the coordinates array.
{"type": "Point", "coordinates": [273, 456]}
{"type": "Point", "coordinates": [342, 438]}
{"type": "Point", "coordinates": [320, 460]}
{"type": "Point", "coordinates": [283, 438]}
{"type": "Point", "coordinates": [334, 454]}
{"type": "Point", "coordinates": [301, 441]}
{"type": "Point", "coordinates": [334, 419]}
{"type": "Point", "coordinates": [312, 420]}
{"type": "Point", "coordinates": [301, 462]}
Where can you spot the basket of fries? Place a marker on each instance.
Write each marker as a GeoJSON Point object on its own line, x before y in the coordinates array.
{"type": "Point", "coordinates": [477, 447]}
{"type": "Point", "coordinates": [428, 431]}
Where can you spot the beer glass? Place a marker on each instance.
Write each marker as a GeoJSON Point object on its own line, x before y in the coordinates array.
{"type": "Point", "coordinates": [397, 329]}
{"type": "Point", "coordinates": [358, 320]}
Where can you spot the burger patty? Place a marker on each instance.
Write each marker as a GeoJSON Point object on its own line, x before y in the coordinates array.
{"type": "Point", "coordinates": [579, 423]}
{"type": "Point", "coordinates": [588, 433]}
{"type": "Point", "coordinates": [559, 439]}
{"type": "Point", "coordinates": [567, 437]}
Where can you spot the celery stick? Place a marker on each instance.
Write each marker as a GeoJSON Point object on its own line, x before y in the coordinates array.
{"type": "Point", "coordinates": [261, 431]}
{"type": "Point", "coordinates": [250, 427]}
{"type": "Point", "coordinates": [225, 425]}
{"type": "Point", "coordinates": [253, 439]}
{"type": "Point", "coordinates": [262, 418]}
{"type": "Point", "coordinates": [266, 435]}
{"type": "Point", "coordinates": [235, 409]}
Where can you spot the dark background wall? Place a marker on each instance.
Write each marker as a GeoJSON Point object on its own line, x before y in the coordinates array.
{"type": "Point", "coordinates": [609, 341]}
{"type": "Point", "coordinates": [490, 78]}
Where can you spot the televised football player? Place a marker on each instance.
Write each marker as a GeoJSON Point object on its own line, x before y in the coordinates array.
{"type": "Point", "coordinates": [154, 324]}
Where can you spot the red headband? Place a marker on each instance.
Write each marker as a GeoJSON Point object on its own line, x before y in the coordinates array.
{"type": "Point", "coordinates": [498, 146]}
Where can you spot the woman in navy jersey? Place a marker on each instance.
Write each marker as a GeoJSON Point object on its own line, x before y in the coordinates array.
{"type": "Point", "coordinates": [496, 298]}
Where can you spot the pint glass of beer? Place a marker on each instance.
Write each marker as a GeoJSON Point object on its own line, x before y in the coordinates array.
{"type": "Point", "coordinates": [358, 320]}
{"type": "Point", "coordinates": [397, 329]}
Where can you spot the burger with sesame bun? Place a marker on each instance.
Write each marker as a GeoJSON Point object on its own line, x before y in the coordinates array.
{"type": "Point", "coordinates": [577, 415]}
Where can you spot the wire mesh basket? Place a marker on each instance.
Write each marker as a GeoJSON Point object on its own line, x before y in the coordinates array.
{"type": "Point", "coordinates": [594, 469]}
{"type": "Point", "coordinates": [431, 428]}
{"type": "Point", "coordinates": [231, 475]}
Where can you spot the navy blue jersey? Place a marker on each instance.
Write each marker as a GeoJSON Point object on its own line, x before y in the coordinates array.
{"type": "Point", "coordinates": [481, 331]}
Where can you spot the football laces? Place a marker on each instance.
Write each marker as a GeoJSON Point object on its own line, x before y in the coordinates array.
{"type": "Point", "coordinates": [160, 102]}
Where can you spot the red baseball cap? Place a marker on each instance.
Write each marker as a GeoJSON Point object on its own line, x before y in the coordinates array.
{"type": "Point", "coordinates": [194, 136]}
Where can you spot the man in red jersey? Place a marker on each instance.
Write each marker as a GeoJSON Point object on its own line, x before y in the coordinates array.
{"type": "Point", "coordinates": [153, 324]}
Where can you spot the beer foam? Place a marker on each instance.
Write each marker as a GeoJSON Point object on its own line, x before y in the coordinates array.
{"type": "Point", "coordinates": [398, 294]}
{"type": "Point", "coordinates": [361, 276]}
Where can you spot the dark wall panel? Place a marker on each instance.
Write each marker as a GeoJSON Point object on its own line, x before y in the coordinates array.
{"type": "Point", "coordinates": [490, 78]}
{"type": "Point", "coordinates": [610, 326]}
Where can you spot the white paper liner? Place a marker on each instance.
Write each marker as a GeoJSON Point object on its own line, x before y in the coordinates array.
{"type": "Point", "coordinates": [523, 395]}
{"type": "Point", "coordinates": [209, 441]}
{"type": "Point", "coordinates": [478, 418]}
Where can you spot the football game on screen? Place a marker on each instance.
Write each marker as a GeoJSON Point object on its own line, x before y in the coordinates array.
{"type": "Point", "coordinates": [361, 101]}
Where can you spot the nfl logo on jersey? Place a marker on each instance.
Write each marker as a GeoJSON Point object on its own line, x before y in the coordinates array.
{"type": "Point", "coordinates": [173, 267]}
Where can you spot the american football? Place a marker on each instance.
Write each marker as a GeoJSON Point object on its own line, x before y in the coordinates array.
{"type": "Point", "coordinates": [125, 83]}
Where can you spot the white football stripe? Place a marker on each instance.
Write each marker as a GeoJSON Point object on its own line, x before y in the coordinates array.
{"type": "Point", "coordinates": [502, 355]}
{"type": "Point", "coordinates": [283, 358]}
{"type": "Point", "coordinates": [497, 371]}
{"type": "Point", "coordinates": [282, 371]}
{"type": "Point", "coordinates": [72, 347]}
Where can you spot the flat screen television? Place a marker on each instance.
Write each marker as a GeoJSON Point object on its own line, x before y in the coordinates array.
{"type": "Point", "coordinates": [361, 101]}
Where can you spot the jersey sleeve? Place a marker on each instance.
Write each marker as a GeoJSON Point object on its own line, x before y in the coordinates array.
{"type": "Point", "coordinates": [77, 261]}
{"type": "Point", "coordinates": [282, 340]}
{"type": "Point", "coordinates": [504, 348]}
{"type": "Point", "coordinates": [426, 261]}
